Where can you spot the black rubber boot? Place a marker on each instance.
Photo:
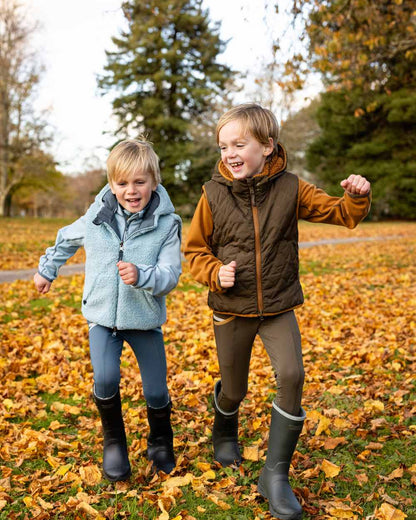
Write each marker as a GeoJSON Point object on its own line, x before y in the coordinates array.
{"type": "Point", "coordinates": [225, 434]}
{"type": "Point", "coordinates": [274, 478]}
{"type": "Point", "coordinates": [116, 465]}
{"type": "Point", "coordinates": [160, 440]}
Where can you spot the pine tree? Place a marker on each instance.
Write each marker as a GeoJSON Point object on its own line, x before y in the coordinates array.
{"type": "Point", "coordinates": [166, 75]}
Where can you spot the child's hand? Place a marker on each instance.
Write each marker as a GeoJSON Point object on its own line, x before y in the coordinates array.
{"type": "Point", "coordinates": [128, 272]}
{"type": "Point", "coordinates": [42, 284]}
{"type": "Point", "coordinates": [226, 275]}
{"type": "Point", "coordinates": [356, 185]}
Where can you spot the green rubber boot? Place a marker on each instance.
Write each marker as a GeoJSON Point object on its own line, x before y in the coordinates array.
{"type": "Point", "coordinates": [225, 434]}
{"type": "Point", "coordinates": [274, 478]}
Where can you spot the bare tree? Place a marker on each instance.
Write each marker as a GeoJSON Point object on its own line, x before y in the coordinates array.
{"type": "Point", "coordinates": [20, 130]}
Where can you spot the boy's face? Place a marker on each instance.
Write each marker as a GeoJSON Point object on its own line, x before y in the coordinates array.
{"type": "Point", "coordinates": [241, 153]}
{"type": "Point", "coordinates": [134, 191]}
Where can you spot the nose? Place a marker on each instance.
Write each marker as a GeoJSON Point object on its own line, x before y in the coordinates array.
{"type": "Point", "coordinates": [131, 188]}
{"type": "Point", "coordinates": [230, 152]}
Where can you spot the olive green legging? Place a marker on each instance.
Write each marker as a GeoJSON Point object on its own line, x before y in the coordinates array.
{"type": "Point", "coordinates": [280, 335]}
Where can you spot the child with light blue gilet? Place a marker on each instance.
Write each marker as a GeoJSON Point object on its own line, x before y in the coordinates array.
{"type": "Point", "coordinates": [131, 237]}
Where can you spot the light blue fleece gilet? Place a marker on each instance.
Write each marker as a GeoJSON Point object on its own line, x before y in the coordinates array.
{"type": "Point", "coordinates": [106, 299]}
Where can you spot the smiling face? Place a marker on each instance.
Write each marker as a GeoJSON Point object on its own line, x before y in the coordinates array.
{"type": "Point", "coordinates": [133, 192]}
{"type": "Point", "coordinates": [241, 153]}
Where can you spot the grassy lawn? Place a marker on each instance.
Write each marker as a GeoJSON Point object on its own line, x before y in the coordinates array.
{"type": "Point", "coordinates": [356, 458]}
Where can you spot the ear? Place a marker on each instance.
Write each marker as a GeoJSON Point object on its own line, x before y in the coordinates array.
{"type": "Point", "coordinates": [111, 188]}
{"type": "Point", "coordinates": [268, 149]}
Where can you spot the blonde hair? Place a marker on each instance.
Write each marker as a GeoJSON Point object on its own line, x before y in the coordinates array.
{"type": "Point", "coordinates": [258, 121]}
{"type": "Point", "coordinates": [130, 156]}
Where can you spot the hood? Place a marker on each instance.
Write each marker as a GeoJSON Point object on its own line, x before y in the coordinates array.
{"type": "Point", "coordinates": [273, 167]}
{"type": "Point", "coordinates": [160, 204]}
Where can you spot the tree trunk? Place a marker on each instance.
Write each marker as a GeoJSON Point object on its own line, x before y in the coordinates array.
{"type": "Point", "coordinates": [2, 204]}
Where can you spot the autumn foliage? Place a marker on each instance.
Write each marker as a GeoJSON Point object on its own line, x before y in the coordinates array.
{"type": "Point", "coordinates": [356, 457]}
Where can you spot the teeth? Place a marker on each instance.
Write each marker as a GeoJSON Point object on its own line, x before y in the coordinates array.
{"type": "Point", "coordinates": [236, 164]}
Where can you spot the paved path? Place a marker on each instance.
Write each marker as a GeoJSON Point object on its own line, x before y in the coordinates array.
{"type": "Point", "coordinates": [27, 274]}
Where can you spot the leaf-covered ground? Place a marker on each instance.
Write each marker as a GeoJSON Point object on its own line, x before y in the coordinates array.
{"type": "Point", "coordinates": [356, 458]}
{"type": "Point", "coordinates": [23, 240]}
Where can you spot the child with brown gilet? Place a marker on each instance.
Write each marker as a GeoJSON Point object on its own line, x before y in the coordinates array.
{"type": "Point", "coordinates": [243, 244]}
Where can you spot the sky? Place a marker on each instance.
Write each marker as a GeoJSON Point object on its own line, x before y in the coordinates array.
{"type": "Point", "coordinates": [72, 39]}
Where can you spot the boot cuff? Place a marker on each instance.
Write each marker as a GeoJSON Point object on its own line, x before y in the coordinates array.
{"type": "Point", "coordinates": [300, 418]}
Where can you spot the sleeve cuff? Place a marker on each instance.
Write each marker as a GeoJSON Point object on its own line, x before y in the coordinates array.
{"type": "Point", "coordinates": [46, 277]}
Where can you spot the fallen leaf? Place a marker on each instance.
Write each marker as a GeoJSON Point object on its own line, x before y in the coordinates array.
{"type": "Point", "coordinates": [388, 512]}
{"type": "Point", "coordinates": [331, 470]}
{"type": "Point", "coordinates": [251, 453]}
{"type": "Point", "coordinates": [91, 475]}
{"type": "Point", "coordinates": [178, 481]}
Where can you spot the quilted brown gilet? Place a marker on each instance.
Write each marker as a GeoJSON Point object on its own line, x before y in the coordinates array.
{"type": "Point", "coordinates": [255, 224]}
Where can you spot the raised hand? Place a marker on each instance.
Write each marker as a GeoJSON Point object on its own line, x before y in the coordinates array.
{"type": "Point", "coordinates": [356, 185]}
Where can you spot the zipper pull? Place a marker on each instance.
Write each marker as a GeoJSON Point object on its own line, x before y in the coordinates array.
{"type": "Point", "coordinates": [121, 251]}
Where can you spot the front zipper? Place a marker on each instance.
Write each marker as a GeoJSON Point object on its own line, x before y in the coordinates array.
{"type": "Point", "coordinates": [120, 258]}
{"type": "Point", "coordinates": [257, 247]}
{"type": "Point", "coordinates": [121, 251]}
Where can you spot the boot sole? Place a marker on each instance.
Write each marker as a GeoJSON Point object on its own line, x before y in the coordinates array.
{"type": "Point", "coordinates": [273, 512]}
{"type": "Point", "coordinates": [126, 476]}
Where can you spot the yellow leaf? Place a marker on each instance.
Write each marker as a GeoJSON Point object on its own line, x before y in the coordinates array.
{"type": "Point", "coordinates": [8, 403]}
{"type": "Point", "coordinates": [323, 425]}
{"type": "Point", "coordinates": [55, 425]}
{"type": "Point", "coordinates": [364, 455]}
{"type": "Point", "coordinates": [178, 481]}
{"type": "Point", "coordinates": [91, 475]}
{"type": "Point", "coordinates": [373, 406]}
{"type": "Point", "coordinates": [203, 466]}
{"type": "Point", "coordinates": [165, 514]}
{"type": "Point", "coordinates": [53, 461]}
{"type": "Point", "coordinates": [342, 513]}
{"type": "Point", "coordinates": [330, 469]}
{"type": "Point", "coordinates": [88, 509]}
{"type": "Point", "coordinates": [28, 501]}
{"type": "Point", "coordinates": [223, 505]}
{"type": "Point", "coordinates": [63, 470]}
{"type": "Point", "coordinates": [209, 475]}
{"type": "Point", "coordinates": [256, 424]}
{"type": "Point", "coordinates": [388, 512]}
{"type": "Point", "coordinates": [251, 453]}
{"type": "Point", "coordinates": [341, 424]}
{"type": "Point", "coordinates": [66, 408]}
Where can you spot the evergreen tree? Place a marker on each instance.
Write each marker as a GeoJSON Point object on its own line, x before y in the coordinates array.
{"type": "Point", "coordinates": [166, 75]}
{"type": "Point", "coordinates": [365, 52]}
{"type": "Point", "coordinates": [377, 141]}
